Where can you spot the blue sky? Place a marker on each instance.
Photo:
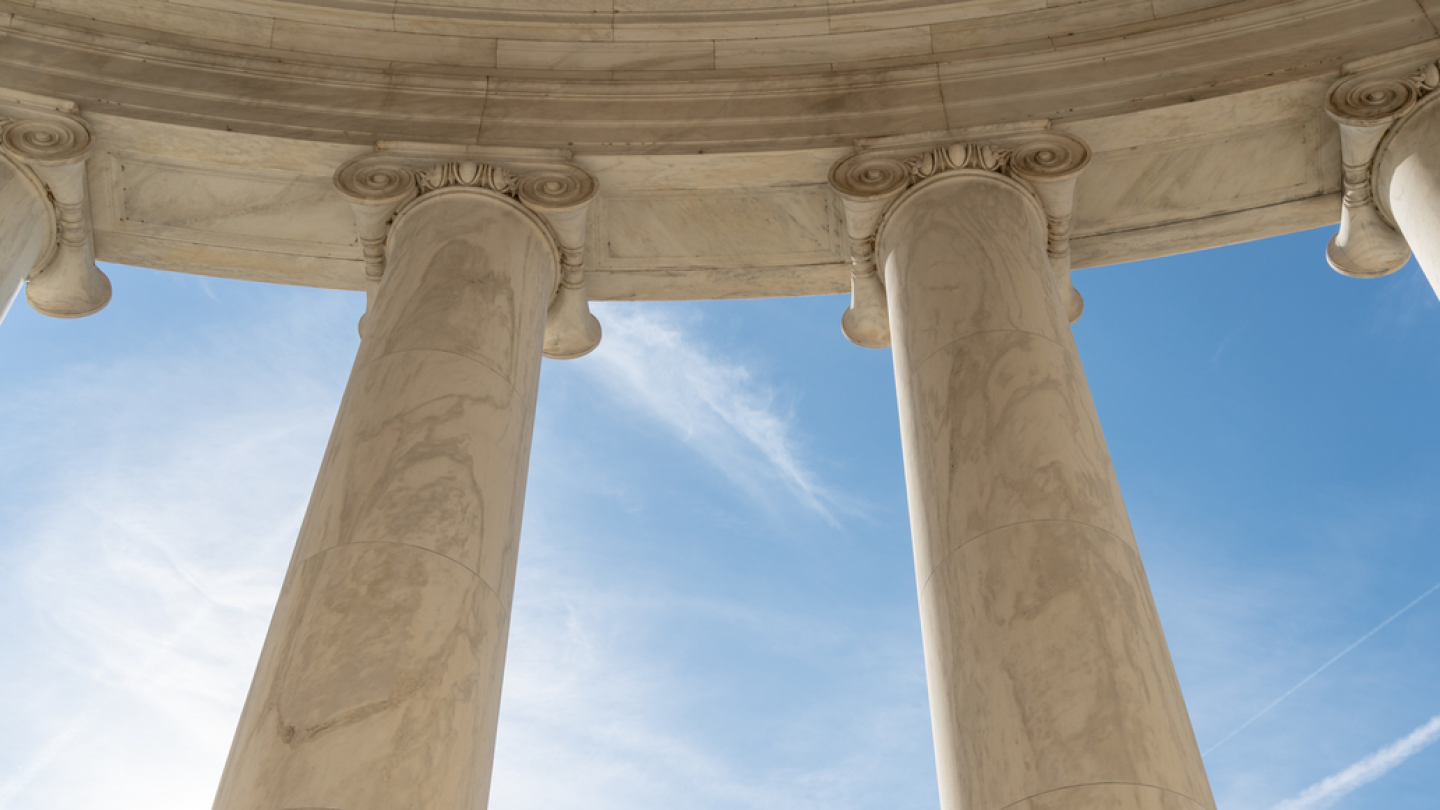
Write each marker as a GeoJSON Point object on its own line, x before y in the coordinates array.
{"type": "Point", "coordinates": [716, 602]}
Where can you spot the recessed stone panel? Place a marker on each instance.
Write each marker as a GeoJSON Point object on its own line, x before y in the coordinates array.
{"type": "Point", "coordinates": [239, 208]}
{"type": "Point", "coordinates": [1136, 188]}
{"type": "Point", "coordinates": [741, 229]}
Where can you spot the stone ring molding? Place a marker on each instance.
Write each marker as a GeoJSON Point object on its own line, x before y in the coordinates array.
{"type": "Point", "coordinates": [870, 181]}
{"type": "Point", "coordinates": [381, 185]}
{"type": "Point", "coordinates": [52, 148]}
{"type": "Point", "coordinates": [1370, 108]}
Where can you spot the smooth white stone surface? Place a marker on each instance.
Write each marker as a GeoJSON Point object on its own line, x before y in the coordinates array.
{"type": "Point", "coordinates": [1407, 176]}
{"type": "Point", "coordinates": [1047, 665]}
{"type": "Point", "coordinates": [379, 684]}
{"type": "Point", "coordinates": [27, 229]}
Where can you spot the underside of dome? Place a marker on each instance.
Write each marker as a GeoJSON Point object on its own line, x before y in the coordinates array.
{"type": "Point", "coordinates": [670, 75]}
{"type": "Point", "coordinates": [709, 128]}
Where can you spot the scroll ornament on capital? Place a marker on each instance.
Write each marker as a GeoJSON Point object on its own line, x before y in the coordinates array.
{"type": "Point", "coordinates": [65, 283]}
{"type": "Point", "coordinates": [869, 182]}
{"type": "Point", "coordinates": [1367, 108]}
{"type": "Point", "coordinates": [379, 187]}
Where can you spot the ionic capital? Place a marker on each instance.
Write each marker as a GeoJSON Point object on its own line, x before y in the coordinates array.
{"type": "Point", "coordinates": [53, 146]}
{"type": "Point", "coordinates": [1369, 107]}
{"type": "Point", "coordinates": [380, 186]}
{"type": "Point", "coordinates": [870, 181]}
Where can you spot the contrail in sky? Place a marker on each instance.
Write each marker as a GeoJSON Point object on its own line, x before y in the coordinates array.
{"type": "Point", "coordinates": [1322, 668]}
{"type": "Point", "coordinates": [1331, 788]}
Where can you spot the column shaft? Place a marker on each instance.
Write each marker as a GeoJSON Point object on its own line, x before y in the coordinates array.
{"type": "Point", "coordinates": [1050, 682]}
{"type": "Point", "coordinates": [1408, 176]}
{"type": "Point", "coordinates": [379, 684]}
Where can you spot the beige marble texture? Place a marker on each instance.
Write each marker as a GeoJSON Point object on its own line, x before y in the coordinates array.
{"type": "Point", "coordinates": [53, 145]}
{"type": "Point", "coordinates": [379, 684]}
{"type": "Point", "coordinates": [1050, 682]}
{"type": "Point", "coordinates": [722, 225]}
{"type": "Point", "coordinates": [26, 230]}
{"type": "Point", "coordinates": [427, 69]}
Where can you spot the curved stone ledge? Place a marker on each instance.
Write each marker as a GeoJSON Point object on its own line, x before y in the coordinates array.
{"type": "Point", "coordinates": [661, 77]}
{"type": "Point", "coordinates": [725, 225]}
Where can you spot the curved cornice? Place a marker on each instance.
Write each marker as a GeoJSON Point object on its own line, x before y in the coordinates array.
{"type": "Point", "coordinates": [652, 76]}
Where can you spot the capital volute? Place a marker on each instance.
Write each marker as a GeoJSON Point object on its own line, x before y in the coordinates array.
{"type": "Point", "coordinates": [1368, 107]}
{"type": "Point", "coordinates": [870, 181]}
{"type": "Point", "coordinates": [53, 146]}
{"type": "Point", "coordinates": [379, 186]}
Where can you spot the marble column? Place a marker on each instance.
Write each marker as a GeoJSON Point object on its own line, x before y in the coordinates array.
{"type": "Point", "coordinates": [1407, 177]}
{"type": "Point", "coordinates": [45, 233]}
{"type": "Point", "coordinates": [379, 684]}
{"type": "Point", "coordinates": [1050, 682]}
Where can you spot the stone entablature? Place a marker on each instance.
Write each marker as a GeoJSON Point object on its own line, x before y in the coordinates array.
{"type": "Point", "coordinates": [1256, 163]}
{"type": "Point", "coordinates": [672, 76]}
{"type": "Point", "coordinates": [726, 225]}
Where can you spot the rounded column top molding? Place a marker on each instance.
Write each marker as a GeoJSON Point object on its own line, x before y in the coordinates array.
{"type": "Point", "coordinates": [48, 141]}
{"type": "Point", "coordinates": [864, 176]}
{"type": "Point", "coordinates": [383, 187]}
{"type": "Point", "coordinates": [556, 189]}
{"type": "Point", "coordinates": [874, 184]}
{"type": "Point", "coordinates": [964, 175]}
{"type": "Point", "coordinates": [440, 196]}
{"type": "Point", "coordinates": [1036, 157]}
{"type": "Point", "coordinates": [368, 180]}
{"type": "Point", "coordinates": [1365, 101]}
{"type": "Point", "coordinates": [393, 178]}
{"type": "Point", "coordinates": [1049, 157]}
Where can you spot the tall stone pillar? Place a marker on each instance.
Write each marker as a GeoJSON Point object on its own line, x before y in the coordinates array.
{"type": "Point", "coordinates": [1390, 143]}
{"type": "Point", "coordinates": [379, 684]}
{"type": "Point", "coordinates": [1050, 682]}
{"type": "Point", "coordinates": [45, 234]}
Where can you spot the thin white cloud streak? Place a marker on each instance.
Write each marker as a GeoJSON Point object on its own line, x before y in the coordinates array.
{"type": "Point", "coordinates": [1332, 788]}
{"type": "Point", "coordinates": [154, 569]}
{"type": "Point", "coordinates": [595, 716]}
{"type": "Point", "coordinates": [168, 488]}
{"type": "Point", "coordinates": [1292, 690]}
{"type": "Point", "coordinates": [715, 406]}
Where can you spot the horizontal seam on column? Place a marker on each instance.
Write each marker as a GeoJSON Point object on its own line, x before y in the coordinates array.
{"type": "Point", "coordinates": [950, 343]}
{"type": "Point", "coordinates": [480, 363]}
{"type": "Point", "coordinates": [931, 575]}
{"type": "Point", "coordinates": [1190, 799]}
{"type": "Point", "coordinates": [467, 568]}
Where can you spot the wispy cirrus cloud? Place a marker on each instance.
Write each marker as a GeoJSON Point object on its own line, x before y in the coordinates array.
{"type": "Point", "coordinates": [1331, 789]}
{"type": "Point", "coordinates": [151, 501]}
{"type": "Point", "coordinates": [600, 712]}
{"type": "Point", "coordinates": [650, 361]}
{"type": "Point", "coordinates": [149, 557]}
{"type": "Point", "coordinates": [1308, 678]}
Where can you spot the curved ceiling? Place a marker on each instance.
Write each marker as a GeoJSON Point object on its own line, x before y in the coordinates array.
{"type": "Point", "coordinates": [670, 75]}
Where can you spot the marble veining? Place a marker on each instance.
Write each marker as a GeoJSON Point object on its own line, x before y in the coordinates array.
{"type": "Point", "coordinates": [379, 685]}
{"type": "Point", "coordinates": [1046, 663]}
